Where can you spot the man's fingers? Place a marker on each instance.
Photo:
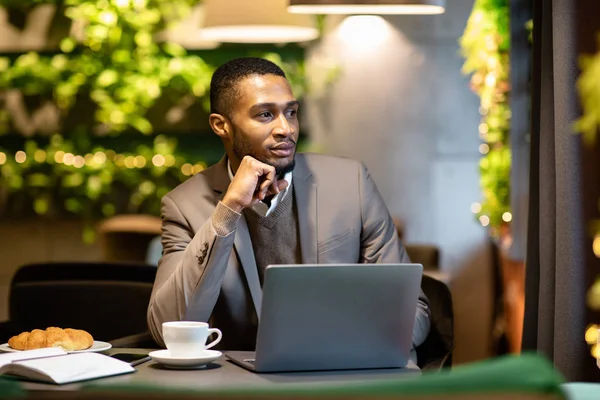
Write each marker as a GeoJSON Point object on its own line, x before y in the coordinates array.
{"type": "Point", "coordinates": [269, 179]}
{"type": "Point", "coordinates": [277, 187]}
{"type": "Point", "coordinates": [260, 175]}
{"type": "Point", "coordinates": [282, 184]}
{"type": "Point", "coordinates": [265, 184]}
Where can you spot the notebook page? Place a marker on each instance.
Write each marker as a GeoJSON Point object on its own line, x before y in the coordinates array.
{"type": "Point", "coordinates": [7, 358]}
{"type": "Point", "coordinates": [77, 367]}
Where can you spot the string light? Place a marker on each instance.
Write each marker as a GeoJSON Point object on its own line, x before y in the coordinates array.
{"type": "Point", "coordinates": [485, 220]}
{"type": "Point", "coordinates": [475, 208]}
{"type": "Point", "coordinates": [139, 162]}
{"type": "Point", "coordinates": [595, 351]}
{"type": "Point", "coordinates": [20, 157]}
{"type": "Point", "coordinates": [68, 159]}
{"type": "Point", "coordinates": [197, 168]}
{"type": "Point", "coordinates": [89, 159]}
{"type": "Point", "coordinates": [187, 169]}
{"type": "Point", "coordinates": [119, 160]}
{"type": "Point", "coordinates": [596, 246]}
{"type": "Point", "coordinates": [484, 148]}
{"type": "Point", "coordinates": [158, 160]}
{"type": "Point", "coordinates": [591, 334]}
{"type": "Point", "coordinates": [100, 157]}
{"type": "Point", "coordinates": [58, 156]}
{"type": "Point", "coordinates": [169, 160]}
{"type": "Point", "coordinates": [129, 162]}
{"type": "Point", "coordinates": [78, 161]}
{"type": "Point", "coordinates": [507, 217]}
{"type": "Point", "coordinates": [39, 156]}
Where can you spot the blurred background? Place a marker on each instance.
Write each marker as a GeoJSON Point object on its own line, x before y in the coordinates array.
{"type": "Point", "coordinates": [103, 110]}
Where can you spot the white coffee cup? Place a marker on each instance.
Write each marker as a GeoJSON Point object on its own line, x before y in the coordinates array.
{"type": "Point", "coordinates": [188, 338]}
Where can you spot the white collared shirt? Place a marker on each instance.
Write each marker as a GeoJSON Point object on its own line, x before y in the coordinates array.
{"type": "Point", "coordinates": [261, 208]}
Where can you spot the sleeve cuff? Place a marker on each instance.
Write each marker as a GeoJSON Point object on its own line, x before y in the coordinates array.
{"type": "Point", "coordinates": [224, 219]}
{"type": "Point", "coordinates": [422, 326]}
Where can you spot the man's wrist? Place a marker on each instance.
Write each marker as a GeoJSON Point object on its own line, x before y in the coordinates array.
{"type": "Point", "coordinates": [232, 205]}
{"type": "Point", "coordinates": [224, 219]}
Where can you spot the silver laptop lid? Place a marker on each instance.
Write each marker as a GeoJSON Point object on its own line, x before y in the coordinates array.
{"type": "Point", "coordinates": [337, 316]}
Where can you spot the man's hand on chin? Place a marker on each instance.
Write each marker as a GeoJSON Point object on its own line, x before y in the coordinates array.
{"type": "Point", "coordinates": [252, 182]}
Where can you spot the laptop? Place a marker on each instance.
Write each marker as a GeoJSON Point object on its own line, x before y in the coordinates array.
{"type": "Point", "coordinates": [334, 317]}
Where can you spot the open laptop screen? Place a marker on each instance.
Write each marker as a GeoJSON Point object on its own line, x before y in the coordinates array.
{"type": "Point", "coordinates": [337, 316]}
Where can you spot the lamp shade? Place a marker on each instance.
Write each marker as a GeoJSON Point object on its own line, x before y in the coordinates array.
{"type": "Point", "coordinates": [366, 6]}
{"type": "Point", "coordinates": [255, 21]}
{"type": "Point", "coordinates": [188, 32]}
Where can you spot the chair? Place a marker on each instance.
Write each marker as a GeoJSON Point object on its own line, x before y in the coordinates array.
{"type": "Point", "coordinates": [436, 352]}
{"type": "Point", "coordinates": [125, 238]}
{"type": "Point", "coordinates": [424, 254]}
{"type": "Point", "coordinates": [109, 300]}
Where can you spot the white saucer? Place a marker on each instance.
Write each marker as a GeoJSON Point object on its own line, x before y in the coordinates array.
{"type": "Point", "coordinates": [164, 357]}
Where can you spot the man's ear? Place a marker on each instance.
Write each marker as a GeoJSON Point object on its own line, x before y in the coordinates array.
{"type": "Point", "coordinates": [219, 125]}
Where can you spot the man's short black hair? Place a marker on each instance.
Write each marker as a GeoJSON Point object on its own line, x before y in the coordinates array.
{"type": "Point", "coordinates": [224, 80]}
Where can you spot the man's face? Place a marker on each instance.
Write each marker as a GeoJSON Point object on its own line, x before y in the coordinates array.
{"type": "Point", "coordinates": [264, 120]}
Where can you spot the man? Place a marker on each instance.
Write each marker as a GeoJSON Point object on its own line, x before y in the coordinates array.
{"type": "Point", "coordinates": [262, 204]}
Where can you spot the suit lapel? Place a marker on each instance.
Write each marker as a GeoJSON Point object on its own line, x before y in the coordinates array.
{"type": "Point", "coordinates": [242, 242]}
{"type": "Point", "coordinates": [305, 192]}
{"type": "Point", "coordinates": [243, 247]}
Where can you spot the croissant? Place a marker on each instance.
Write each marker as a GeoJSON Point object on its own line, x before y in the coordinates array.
{"type": "Point", "coordinates": [69, 339]}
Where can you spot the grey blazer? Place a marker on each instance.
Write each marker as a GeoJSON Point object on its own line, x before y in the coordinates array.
{"type": "Point", "coordinates": [341, 216]}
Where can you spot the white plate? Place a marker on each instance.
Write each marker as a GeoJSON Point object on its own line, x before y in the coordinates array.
{"type": "Point", "coordinates": [96, 347]}
{"type": "Point", "coordinates": [164, 357]}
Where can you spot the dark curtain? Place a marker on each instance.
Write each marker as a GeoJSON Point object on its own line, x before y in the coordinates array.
{"type": "Point", "coordinates": [556, 283]}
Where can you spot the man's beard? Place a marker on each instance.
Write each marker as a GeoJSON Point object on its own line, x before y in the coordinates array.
{"type": "Point", "coordinates": [280, 171]}
{"type": "Point", "coordinates": [241, 148]}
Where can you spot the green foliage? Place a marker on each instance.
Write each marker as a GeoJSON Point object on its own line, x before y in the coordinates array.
{"type": "Point", "coordinates": [111, 54]}
{"type": "Point", "coordinates": [111, 59]}
{"type": "Point", "coordinates": [22, 5]}
{"type": "Point", "coordinates": [588, 86]}
{"type": "Point", "coordinates": [485, 46]}
{"type": "Point", "coordinates": [60, 177]}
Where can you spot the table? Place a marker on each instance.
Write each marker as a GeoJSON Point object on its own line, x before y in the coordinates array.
{"type": "Point", "coordinates": [223, 374]}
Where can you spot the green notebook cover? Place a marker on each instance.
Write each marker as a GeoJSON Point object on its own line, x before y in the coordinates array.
{"type": "Point", "coordinates": [10, 387]}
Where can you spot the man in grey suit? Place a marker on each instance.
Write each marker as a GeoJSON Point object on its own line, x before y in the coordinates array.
{"type": "Point", "coordinates": [263, 204]}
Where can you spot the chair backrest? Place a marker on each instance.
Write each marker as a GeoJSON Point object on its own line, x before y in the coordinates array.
{"type": "Point", "coordinates": [109, 300]}
{"type": "Point", "coordinates": [424, 254]}
{"type": "Point", "coordinates": [436, 351]}
{"type": "Point", "coordinates": [125, 238]}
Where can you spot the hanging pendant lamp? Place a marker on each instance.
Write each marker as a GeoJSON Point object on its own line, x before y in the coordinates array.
{"type": "Point", "coordinates": [366, 6]}
{"type": "Point", "coordinates": [255, 21]}
{"type": "Point", "coordinates": [188, 32]}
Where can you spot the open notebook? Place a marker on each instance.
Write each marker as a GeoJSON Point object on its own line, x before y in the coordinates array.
{"type": "Point", "coordinates": [54, 365]}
